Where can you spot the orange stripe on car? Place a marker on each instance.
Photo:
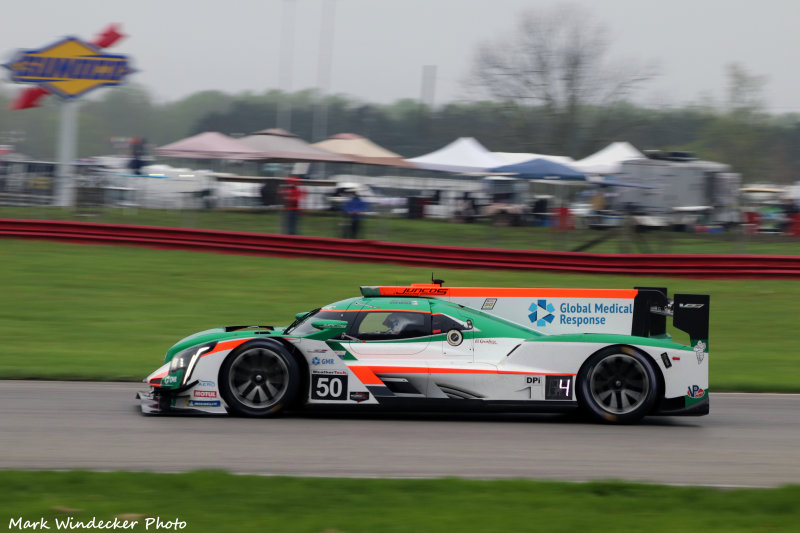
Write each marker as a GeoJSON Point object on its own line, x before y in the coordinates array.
{"type": "Point", "coordinates": [366, 375]}
{"type": "Point", "coordinates": [443, 370]}
{"type": "Point", "coordinates": [157, 376]}
{"type": "Point", "coordinates": [374, 309]}
{"type": "Point", "coordinates": [227, 345]}
{"type": "Point", "coordinates": [500, 292]}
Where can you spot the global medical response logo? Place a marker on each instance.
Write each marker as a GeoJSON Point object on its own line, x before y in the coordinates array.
{"type": "Point", "coordinates": [69, 67]}
{"type": "Point", "coordinates": [581, 315]}
{"type": "Point", "coordinates": [542, 313]}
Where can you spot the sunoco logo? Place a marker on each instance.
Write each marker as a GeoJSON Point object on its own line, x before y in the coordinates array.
{"type": "Point", "coordinates": [542, 313]}
{"type": "Point", "coordinates": [69, 67]}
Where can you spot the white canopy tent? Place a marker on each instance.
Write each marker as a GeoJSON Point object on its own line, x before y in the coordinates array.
{"type": "Point", "coordinates": [462, 155]}
{"type": "Point", "coordinates": [512, 158]}
{"type": "Point", "coordinates": [609, 159]}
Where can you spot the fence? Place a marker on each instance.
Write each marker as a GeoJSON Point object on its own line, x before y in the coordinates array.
{"type": "Point", "coordinates": [701, 266]}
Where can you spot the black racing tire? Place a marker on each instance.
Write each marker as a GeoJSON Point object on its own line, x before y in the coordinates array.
{"type": "Point", "coordinates": [618, 384]}
{"type": "Point", "coordinates": [259, 379]}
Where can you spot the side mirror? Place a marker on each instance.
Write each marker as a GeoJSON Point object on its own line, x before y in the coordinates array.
{"type": "Point", "coordinates": [330, 324]}
{"type": "Point", "coordinates": [301, 316]}
{"type": "Point", "coordinates": [327, 329]}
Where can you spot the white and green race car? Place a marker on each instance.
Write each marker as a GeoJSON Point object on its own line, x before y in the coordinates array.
{"type": "Point", "coordinates": [427, 346]}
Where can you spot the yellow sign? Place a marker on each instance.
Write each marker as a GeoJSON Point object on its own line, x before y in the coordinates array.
{"type": "Point", "coordinates": [69, 67]}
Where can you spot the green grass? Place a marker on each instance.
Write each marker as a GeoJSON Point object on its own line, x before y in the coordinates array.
{"type": "Point", "coordinates": [429, 231]}
{"type": "Point", "coordinates": [220, 502]}
{"type": "Point", "coordinates": [110, 313]}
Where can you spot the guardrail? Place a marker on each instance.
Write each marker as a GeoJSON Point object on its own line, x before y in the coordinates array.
{"type": "Point", "coordinates": [700, 266]}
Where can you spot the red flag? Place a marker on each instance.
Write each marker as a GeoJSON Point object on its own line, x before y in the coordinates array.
{"type": "Point", "coordinates": [29, 98]}
{"type": "Point", "coordinates": [108, 37]}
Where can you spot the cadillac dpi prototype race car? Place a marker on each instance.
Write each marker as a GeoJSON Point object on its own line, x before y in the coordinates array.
{"type": "Point", "coordinates": [453, 348]}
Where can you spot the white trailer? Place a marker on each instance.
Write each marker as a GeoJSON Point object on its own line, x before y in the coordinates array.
{"type": "Point", "coordinates": [676, 182]}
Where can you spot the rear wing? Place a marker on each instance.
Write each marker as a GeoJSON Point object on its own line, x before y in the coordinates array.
{"type": "Point", "coordinates": [641, 311]}
{"type": "Point", "coordinates": [689, 312]}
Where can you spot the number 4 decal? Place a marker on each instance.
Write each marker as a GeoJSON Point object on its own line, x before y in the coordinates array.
{"type": "Point", "coordinates": [558, 388]}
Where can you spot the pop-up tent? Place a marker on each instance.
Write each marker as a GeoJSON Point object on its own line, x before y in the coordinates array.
{"type": "Point", "coordinates": [361, 150]}
{"type": "Point", "coordinates": [609, 159]}
{"type": "Point", "coordinates": [209, 145]}
{"type": "Point", "coordinates": [276, 144]}
{"type": "Point", "coordinates": [542, 169]}
{"type": "Point", "coordinates": [512, 158]}
{"type": "Point", "coordinates": [462, 155]}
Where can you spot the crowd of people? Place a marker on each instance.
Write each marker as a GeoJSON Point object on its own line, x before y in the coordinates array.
{"type": "Point", "coordinates": [291, 195]}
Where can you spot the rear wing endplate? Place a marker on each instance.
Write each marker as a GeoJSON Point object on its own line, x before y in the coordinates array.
{"type": "Point", "coordinates": [689, 312]}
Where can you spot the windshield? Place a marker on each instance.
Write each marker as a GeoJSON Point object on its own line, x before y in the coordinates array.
{"type": "Point", "coordinates": [303, 327]}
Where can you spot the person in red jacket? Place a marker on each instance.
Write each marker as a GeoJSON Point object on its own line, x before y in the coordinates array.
{"type": "Point", "coordinates": [292, 194]}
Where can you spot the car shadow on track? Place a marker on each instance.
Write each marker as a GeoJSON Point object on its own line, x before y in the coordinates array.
{"type": "Point", "coordinates": [572, 417]}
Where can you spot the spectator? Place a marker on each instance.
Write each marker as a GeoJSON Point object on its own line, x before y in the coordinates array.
{"type": "Point", "coordinates": [467, 209]}
{"type": "Point", "coordinates": [355, 208]}
{"type": "Point", "coordinates": [291, 195]}
{"type": "Point", "coordinates": [540, 213]}
{"type": "Point", "coordinates": [137, 154]}
{"type": "Point", "coordinates": [789, 215]}
{"type": "Point", "coordinates": [598, 201]}
{"type": "Point", "coordinates": [265, 194]}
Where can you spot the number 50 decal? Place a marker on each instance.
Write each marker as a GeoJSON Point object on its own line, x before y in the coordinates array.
{"type": "Point", "coordinates": [324, 387]}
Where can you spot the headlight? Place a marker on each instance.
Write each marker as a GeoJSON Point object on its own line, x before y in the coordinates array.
{"type": "Point", "coordinates": [187, 360]}
{"type": "Point", "coordinates": [180, 360]}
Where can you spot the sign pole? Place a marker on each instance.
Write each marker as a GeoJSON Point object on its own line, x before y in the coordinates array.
{"type": "Point", "coordinates": [68, 68]}
{"type": "Point", "coordinates": [66, 152]}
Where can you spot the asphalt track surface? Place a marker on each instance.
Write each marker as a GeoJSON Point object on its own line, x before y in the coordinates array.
{"type": "Point", "coordinates": [749, 440]}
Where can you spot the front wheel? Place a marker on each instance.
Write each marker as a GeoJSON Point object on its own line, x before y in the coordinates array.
{"type": "Point", "coordinates": [618, 384]}
{"type": "Point", "coordinates": [259, 379]}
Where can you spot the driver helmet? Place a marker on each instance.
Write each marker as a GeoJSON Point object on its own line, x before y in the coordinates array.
{"type": "Point", "coordinates": [396, 322]}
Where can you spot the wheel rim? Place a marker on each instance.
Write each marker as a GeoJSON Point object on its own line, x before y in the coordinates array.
{"type": "Point", "coordinates": [258, 378]}
{"type": "Point", "coordinates": [619, 384]}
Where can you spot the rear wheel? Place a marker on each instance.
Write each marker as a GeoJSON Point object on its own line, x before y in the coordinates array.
{"type": "Point", "coordinates": [259, 379]}
{"type": "Point", "coordinates": [618, 384]}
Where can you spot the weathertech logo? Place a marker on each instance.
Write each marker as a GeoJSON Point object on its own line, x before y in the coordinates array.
{"type": "Point", "coordinates": [541, 313]}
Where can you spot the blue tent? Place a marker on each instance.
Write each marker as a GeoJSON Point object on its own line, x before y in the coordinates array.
{"type": "Point", "coordinates": [612, 181]}
{"type": "Point", "coordinates": [542, 169]}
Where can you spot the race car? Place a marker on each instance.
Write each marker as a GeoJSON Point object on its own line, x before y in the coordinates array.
{"type": "Point", "coordinates": [427, 346]}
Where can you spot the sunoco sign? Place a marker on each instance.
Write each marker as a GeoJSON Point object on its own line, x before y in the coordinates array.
{"type": "Point", "coordinates": [69, 68]}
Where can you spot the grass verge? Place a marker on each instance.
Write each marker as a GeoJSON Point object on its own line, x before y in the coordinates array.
{"type": "Point", "coordinates": [221, 502]}
{"type": "Point", "coordinates": [110, 313]}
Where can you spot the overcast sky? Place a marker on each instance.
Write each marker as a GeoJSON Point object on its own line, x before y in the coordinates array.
{"type": "Point", "coordinates": [379, 47]}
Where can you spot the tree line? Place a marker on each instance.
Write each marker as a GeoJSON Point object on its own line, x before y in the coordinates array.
{"type": "Point", "coordinates": [763, 147]}
{"type": "Point", "coordinates": [545, 88]}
